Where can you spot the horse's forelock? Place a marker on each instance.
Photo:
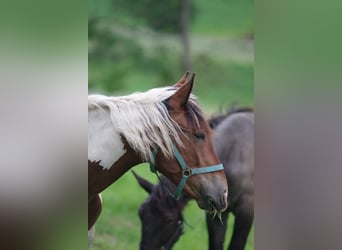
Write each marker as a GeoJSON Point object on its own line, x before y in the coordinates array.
{"type": "Point", "coordinates": [194, 114]}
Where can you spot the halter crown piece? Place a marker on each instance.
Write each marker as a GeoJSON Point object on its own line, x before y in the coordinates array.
{"type": "Point", "coordinates": [186, 171]}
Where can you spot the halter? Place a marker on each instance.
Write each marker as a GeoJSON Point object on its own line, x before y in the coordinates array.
{"type": "Point", "coordinates": [186, 171]}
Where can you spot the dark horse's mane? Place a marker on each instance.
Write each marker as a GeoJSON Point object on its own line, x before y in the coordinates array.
{"type": "Point", "coordinates": [217, 118]}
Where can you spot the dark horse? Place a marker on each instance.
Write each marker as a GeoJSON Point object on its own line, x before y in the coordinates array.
{"type": "Point", "coordinates": [161, 215]}
{"type": "Point", "coordinates": [163, 126]}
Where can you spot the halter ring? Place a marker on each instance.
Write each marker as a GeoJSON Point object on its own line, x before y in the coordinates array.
{"type": "Point", "coordinates": [187, 172]}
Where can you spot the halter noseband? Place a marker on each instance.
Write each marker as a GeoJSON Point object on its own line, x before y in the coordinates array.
{"type": "Point", "coordinates": [186, 171]}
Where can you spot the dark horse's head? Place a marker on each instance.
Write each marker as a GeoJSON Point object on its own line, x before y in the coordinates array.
{"type": "Point", "coordinates": [161, 215]}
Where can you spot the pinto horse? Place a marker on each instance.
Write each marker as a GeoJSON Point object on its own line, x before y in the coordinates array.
{"type": "Point", "coordinates": [161, 215]}
{"type": "Point", "coordinates": [163, 126]}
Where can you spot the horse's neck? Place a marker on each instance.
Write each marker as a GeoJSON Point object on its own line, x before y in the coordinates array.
{"type": "Point", "coordinates": [99, 178]}
{"type": "Point", "coordinates": [109, 155]}
{"type": "Point", "coordinates": [104, 143]}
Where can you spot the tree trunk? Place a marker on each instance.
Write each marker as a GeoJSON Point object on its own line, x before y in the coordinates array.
{"type": "Point", "coordinates": [185, 11]}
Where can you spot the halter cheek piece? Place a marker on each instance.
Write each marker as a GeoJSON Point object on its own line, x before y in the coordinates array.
{"type": "Point", "coordinates": [186, 171]}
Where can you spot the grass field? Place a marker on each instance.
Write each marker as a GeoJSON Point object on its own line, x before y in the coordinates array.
{"type": "Point", "coordinates": [119, 226]}
{"type": "Point", "coordinates": [223, 60]}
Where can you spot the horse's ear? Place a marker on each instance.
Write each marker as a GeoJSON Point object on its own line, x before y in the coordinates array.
{"type": "Point", "coordinates": [181, 96]}
{"type": "Point", "coordinates": [145, 184]}
{"type": "Point", "coordinates": [182, 80]}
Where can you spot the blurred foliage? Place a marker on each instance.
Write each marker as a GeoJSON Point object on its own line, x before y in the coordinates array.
{"type": "Point", "coordinates": [164, 16]}
{"type": "Point", "coordinates": [224, 18]}
{"type": "Point", "coordinates": [159, 15]}
{"type": "Point", "coordinates": [110, 56]}
{"type": "Point", "coordinates": [126, 54]}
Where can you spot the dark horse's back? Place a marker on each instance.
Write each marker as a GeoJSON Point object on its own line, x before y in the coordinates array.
{"type": "Point", "coordinates": [234, 145]}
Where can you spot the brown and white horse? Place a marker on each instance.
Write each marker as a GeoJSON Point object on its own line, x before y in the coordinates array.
{"type": "Point", "coordinates": [163, 126]}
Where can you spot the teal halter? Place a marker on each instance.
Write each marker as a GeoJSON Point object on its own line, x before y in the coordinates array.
{"type": "Point", "coordinates": [186, 171]}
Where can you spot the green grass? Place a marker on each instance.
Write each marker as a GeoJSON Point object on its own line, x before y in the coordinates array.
{"type": "Point", "coordinates": [118, 227]}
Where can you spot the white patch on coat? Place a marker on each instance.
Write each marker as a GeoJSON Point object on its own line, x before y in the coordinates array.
{"type": "Point", "coordinates": [104, 143]}
{"type": "Point", "coordinates": [91, 235]}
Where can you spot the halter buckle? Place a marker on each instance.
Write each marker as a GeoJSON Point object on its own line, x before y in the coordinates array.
{"type": "Point", "coordinates": [187, 172]}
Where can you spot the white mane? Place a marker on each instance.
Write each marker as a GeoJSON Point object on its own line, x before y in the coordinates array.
{"type": "Point", "coordinates": [142, 119]}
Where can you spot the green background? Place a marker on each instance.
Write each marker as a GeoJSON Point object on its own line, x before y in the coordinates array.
{"type": "Point", "coordinates": [126, 55]}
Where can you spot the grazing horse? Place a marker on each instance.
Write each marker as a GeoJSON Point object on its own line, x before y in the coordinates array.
{"type": "Point", "coordinates": [163, 126]}
{"type": "Point", "coordinates": [161, 215]}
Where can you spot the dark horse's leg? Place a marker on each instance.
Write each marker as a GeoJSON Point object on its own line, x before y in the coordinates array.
{"type": "Point", "coordinates": [94, 210]}
{"type": "Point", "coordinates": [216, 230]}
{"type": "Point", "coordinates": [242, 226]}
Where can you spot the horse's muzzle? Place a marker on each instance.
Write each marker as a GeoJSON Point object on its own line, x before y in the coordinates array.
{"type": "Point", "coordinates": [219, 204]}
{"type": "Point", "coordinates": [214, 202]}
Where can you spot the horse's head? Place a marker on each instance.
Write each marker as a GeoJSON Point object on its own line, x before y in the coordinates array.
{"type": "Point", "coordinates": [194, 163]}
{"type": "Point", "coordinates": [161, 215]}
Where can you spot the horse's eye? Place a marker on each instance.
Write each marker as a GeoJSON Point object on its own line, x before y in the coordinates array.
{"type": "Point", "coordinates": [199, 136]}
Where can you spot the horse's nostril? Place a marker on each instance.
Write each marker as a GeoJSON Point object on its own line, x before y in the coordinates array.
{"type": "Point", "coordinates": [211, 202]}
{"type": "Point", "coordinates": [225, 194]}
{"type": "Point", "coordinates": [219, 204]}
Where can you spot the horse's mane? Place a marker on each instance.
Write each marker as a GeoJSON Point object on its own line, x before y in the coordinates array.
{"type": "Point", "coordinates": [143, 119]}
{"type": "Point", "coordinates": [216, 119]}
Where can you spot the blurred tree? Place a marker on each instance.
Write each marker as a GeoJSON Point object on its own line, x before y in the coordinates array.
{"type": "Point", "coordinates": [164, 16]}
{"type": "Point", "coordinates": [112, 54]}
{"type": "Point", "coordinates": [185, 15]}
{"type": "Point", "coordinates": [171, 16]}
